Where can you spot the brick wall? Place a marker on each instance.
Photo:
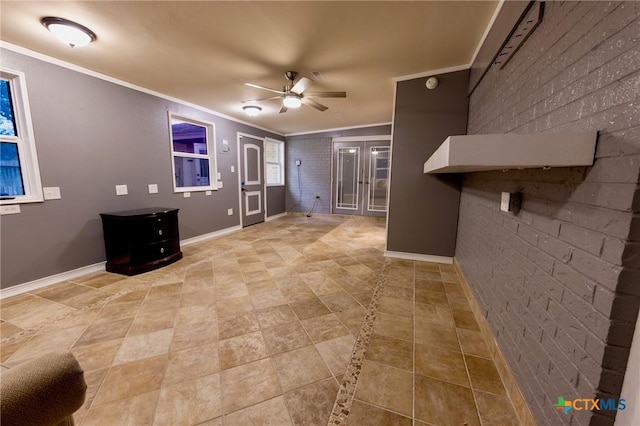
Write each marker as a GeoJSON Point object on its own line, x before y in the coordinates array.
{"type": "Point", "coordinates": [559, 282]}
{"type": "Point", "coordinates": [313, 176]}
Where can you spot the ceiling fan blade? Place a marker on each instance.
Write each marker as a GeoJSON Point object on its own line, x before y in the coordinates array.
{"type": "Point", "coordinates": [261, 99]}
{"type": "Point", "coordinates": [283, 109]}
{"type": "Point", "coordinates": [257, 86]}
{"type": "Point", "coordinates": [325, 95]}
{"type": "Point", "coordinates": [302, 84]}
{"type": "Point", "coordinates": [314, 104]}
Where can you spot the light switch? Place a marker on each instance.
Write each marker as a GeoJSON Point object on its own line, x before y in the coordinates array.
{"type": "Point", "coordinates": [219, 175]}
{"type": "Point", "coordinates": [207, 193]}
{"type": "Point", "coordinates": [186, 195]}
{"type": "Point", "coordinates": [121, 190]}
{"type": "Point", "coordinates": [220, 184]}
{"type": "Point", "coordinates": [12, 209]}
{"type": "Point", "coordinates": [51, 193]}
{"type": "Point", "coordinates": [230, 212]}
{"type": "Point", "coordinates": [233, 169]}
{"type": "Point", "coordinates": [153, 188]}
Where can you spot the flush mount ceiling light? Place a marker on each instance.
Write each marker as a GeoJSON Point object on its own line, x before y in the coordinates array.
{"type": "Point", "coordinates": [252, 110]}
{"type": "Point", "coordinates": [291, 101]}
{"type": "Point", "coordinates": [69, 32]}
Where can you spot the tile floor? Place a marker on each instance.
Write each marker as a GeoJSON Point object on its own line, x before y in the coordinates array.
{"type": "Point", "coordinates": [259, 327]}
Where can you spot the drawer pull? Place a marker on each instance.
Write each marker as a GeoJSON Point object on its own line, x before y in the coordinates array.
{"type": "Point", "coordinates": [161, 249]}
{"type": "Point", "coordinates": [159, 231]}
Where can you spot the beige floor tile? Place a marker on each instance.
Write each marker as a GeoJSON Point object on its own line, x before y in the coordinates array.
{"type": "Point", "coordinates": [33, 311]}
{"type": "Point", "coordinates": [427, 313]}
{"type": "Point", "coordinates": [162, 304]}
{"type": "Point", "coordinates": [276, 315]}
{"type": "Point", "coordinates": [249, 384]}
{"type": "Point", "coordinates": [441, 364]}
{"type": "Point", "coordinates": [438, 336]}
{"type": "Point", "coordinates": [98, 356]}
{"type": "Point", "coordinates": [312, 404]}
{"type": "Point", "coordinates": [394, 326]}
{"type": "Point", "coordinates": [194, 335]}
{"type": "Point", "coordinates": [393, 306]}
{"type": "Point", "coordinates": [61, 292]}
{"type": "Point", "coordinates": [42, 343]}
{"type": "Point", "coordinates": [140, 346]}
{"type": "Point", "coordinates": [433, 297]}
{"type": "Point", "coordinates": [242, 349]}
{"type": "Point", "coordinates": [465, 319]}
{"type": "Point", "coordinates": [285, 337]}
{"type": "Point", "coordinates": [165, 290]}
{"type": "Point", "coordinates": [104, 331]}
{"type": "Point", "coordinates": [484, 375]}
{"type": "Point", "coordinates": [117, 309]}
{"type": "Point", "coordinates": [236, 325]}
{"type": "Point", "coordinates": [386, 387]}
{"type": "Point", "coordinates": [138, 410]}
{"type": "Point", "coordinates": [495, 410]}
{"type": "Point", "coordinates": [337, 353]}
{"type": "Point", "coordinates": [190, 402]}
{"type": "Point", "coordinates": [268, 299]}
{"type": "Point", "coordinates": [352, 318]}
{"type": "Point", "coordinates": [324, 327]}
{"type": "Point", "coordinates": [261, 287]}
{"type": "Point", "coordinates": [203, 297]}
{"type": "Point", "coordinates": [128, 380]}
{"type": "Point", "coordinates": [363, 414]}
{"type": "Point", "coordinates": [272, 412]}
{"type": "Point", "coordinates": [7, 329]}
{"type": "Point", "coordinates": [235, 306]}
{"type": "Point", "coordinates": [300, 367]}
{"type": "Point", "coordinates": [390, 351]}
{"type": "Point", "coordinates": [191, 363]}
{"type": "Point", "coordinates": [472, 343]}
{"type": "Point", "coordinates": [154, 321]}
{"type": "Point", "coordinates": [429, 285]}
{"type": "Point", "coordinates": [9, 347]}
{"type": "Point", "coordinates": [309, 308]}
{"type": "Point", "coordinates": [339, 302]}
{"type": "Point", "coordinates": [442, 403]}
{"type": "Point", "coordinates": [94, 380]}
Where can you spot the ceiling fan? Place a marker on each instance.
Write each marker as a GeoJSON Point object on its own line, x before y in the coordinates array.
{"type": "Point", "coordinates": [293, 95]}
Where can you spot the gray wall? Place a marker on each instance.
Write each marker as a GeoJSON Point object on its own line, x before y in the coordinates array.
{"type": "Point", "coordinates": [313, 176]}
{"type": "Point", "coordinates": [91, 135]}
{"type": "Point", "coordinates": [558, 282]}
{"type": "Point", "coordinates": [423, 209]}
{"type": "Point", "coordinates": [276, 200]}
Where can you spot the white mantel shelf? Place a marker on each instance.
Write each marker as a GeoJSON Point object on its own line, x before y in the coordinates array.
{"type": "Point", "coordinates": [472, 153]}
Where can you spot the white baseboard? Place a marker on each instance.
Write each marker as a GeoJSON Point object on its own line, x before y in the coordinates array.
{"type": "Point", "coordinates": [97, 267]}
{"type": "Point", "coordinates": [52, 279]}
{"type": "Point", "coordinates": [210, 235]}
{"type": "Point", "coordinates": [276, 216]}
{"type": "Point", "coordinates": [419, 257]}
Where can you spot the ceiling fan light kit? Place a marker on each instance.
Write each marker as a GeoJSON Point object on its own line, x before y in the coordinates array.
{"type": "Point", "coordinates": [293, 95]}
{"type": "Point", "coordinates": [291, 101]}
{"type": "Point", "coordinates": [252, 110]}
{"type": "Point", "coordinates": [69, 32]}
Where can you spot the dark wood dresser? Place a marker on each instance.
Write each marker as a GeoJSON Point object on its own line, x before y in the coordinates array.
{"type": "Point", "coordinates": [141, 240]}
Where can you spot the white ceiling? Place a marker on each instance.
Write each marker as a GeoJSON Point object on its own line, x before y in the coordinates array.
{"type": "Point", "coordinates": [202, 52]}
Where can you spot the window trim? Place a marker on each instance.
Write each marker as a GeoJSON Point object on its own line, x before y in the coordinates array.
{"type": "Point", "coordinates": [211, 154]}
{"type": "Point", "coordinates": [281, 163]}
{"type": "Point", "coordinates": [25, 140]}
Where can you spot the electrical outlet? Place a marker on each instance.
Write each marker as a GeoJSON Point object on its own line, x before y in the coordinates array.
{"type": "Point", "coordinates": [10, 209]}
{"type": "Point", "coordinates": [220, 184]}
{"type": "Point", "coordinates": [317, 197]}
{"type": "Point", "coordinates": [51, 193]}
{"type": "Point", "coordinates": [233, 169]}
{"type": "Point", "coordinates": [207, 193]}
{"type": "Point", "coordinates": [153, 188]}
{"type": "Point", "coordinates": [186, 194]}
{"type": "Point", "coordinates": [230, 212]}
{"type": "Point", "coordinates": [121, 190]}
{"type": "Point", "coordinates": [298, 162]}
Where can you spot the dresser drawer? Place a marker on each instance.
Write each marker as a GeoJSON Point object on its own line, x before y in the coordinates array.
{"type": "Point", "coordinates": [155, 229]}
{"type": "Point", "coordinates": [155, 251]}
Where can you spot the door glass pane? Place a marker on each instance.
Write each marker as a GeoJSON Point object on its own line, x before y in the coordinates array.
{"type": "Point", "coordinates": [7, 117]}
{"type": "Point", "coordinates": [191, 171]}
{"type": "Point", "coordinates": [348, 169]}
{"type": "Point", "coordinates": [378, 178]}
{"type": "Point", "coordinates": [188, 137]}
{"type": "Point", "coordinates": [10, 171]}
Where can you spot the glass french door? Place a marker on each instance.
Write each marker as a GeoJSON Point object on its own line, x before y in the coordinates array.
{"type": "Point", "coordinates": [361, 177]}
